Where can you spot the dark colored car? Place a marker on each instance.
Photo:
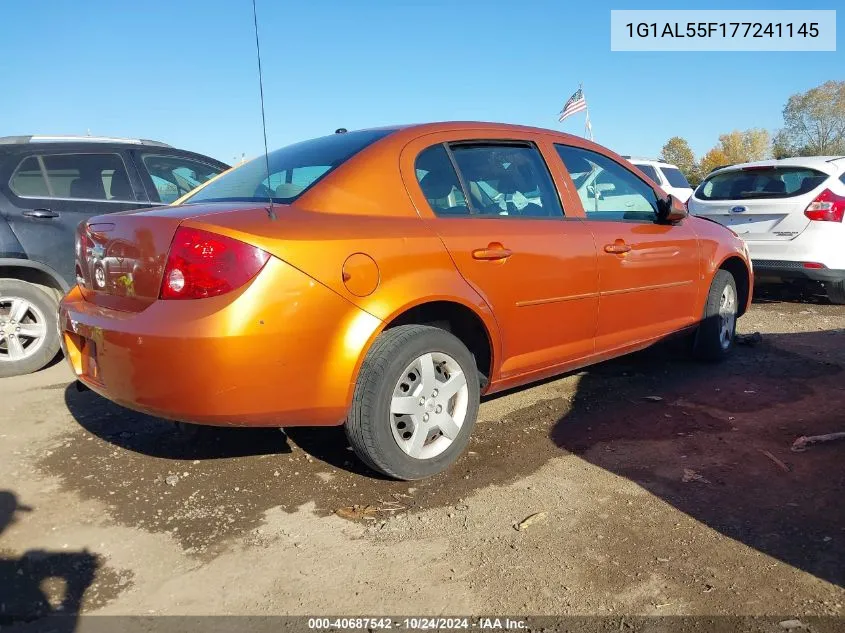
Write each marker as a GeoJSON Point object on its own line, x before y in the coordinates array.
{"type": "Point", "coordinates": [48, 185]}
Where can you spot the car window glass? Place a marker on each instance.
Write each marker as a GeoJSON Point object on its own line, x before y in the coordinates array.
{"type": "Point", "coordinates": [608, 190]}
{"type": "Point", "coordinates": [649, 171]}
{"type": "Point", "coordinates": [675, 177]}
{"type": "Point", "coordinates": [507, 180]}
{"type": "Point", "coordinates": [307, 163]}
{"type": "Point", "coordinates": [74, 176]}
{"type": "Point", "coordinates": [439, 182]}
{"type": "Point", "coordinates": [28, 180]}
{"type": "Point", "coordinates": [760, 183]}
{"type": "Point", "coordinates": [174, 176]}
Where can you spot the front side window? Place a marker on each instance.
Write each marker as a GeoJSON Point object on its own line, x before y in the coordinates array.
{"type": "Point", "coordinates": [174, 176]}
{"type": "Point", "coordinates": [73, 177]}
{"type": "Point", "coordinates": [608, 190]}
{"type": "Point", "coordinates": [751, 183]}
{"type": "Point", "coordinates": [293, 169]}
{"type": "Point", "coordinates": [675, 177]}
{"type": "Point", "coordinates": [507, 180]}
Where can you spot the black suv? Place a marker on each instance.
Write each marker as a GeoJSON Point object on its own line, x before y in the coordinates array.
{"type": "Point", "coordinates": [47, 186]}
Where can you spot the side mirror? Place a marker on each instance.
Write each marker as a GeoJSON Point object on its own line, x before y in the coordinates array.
{"type": "Point", "coordinates": [670, 210]}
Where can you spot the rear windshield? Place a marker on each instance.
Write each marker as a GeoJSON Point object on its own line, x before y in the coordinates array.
{"type": "Point", "coordinates": [293, 169]}
{"type": "Point", "coordinates": [675, 177]}
{"type": "Point", "coordinates": [760, 182]}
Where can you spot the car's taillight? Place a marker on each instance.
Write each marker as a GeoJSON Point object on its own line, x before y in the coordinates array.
{"type": "Point", "coordinates": [827, 207]}
{"type": "Point", "coordinates": [202, 264]}
{"type": "Point", "coordinates": [83, 242]}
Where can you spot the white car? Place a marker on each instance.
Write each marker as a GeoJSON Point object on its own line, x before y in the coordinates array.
{"type": "Point", "coordinates": [668, 176]}
{"type": "Point", "coordinates": [789, 212]}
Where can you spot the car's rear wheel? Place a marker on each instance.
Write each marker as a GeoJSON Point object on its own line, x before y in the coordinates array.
{"type": "Point", "coordinates": [415, 402]}
{"type": "Point", "coordinates": [715, 337]}
{"type": "Point", "coordinates": [29, 336]}
{"type": "Point", "coordinates": [836, 292]}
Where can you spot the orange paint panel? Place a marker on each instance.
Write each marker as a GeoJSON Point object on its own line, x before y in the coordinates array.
{"type": "Point", "coordinates": [254, 357]}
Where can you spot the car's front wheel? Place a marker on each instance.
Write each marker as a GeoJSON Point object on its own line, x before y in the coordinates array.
{"type": "Point", "coordinates": [29, 336]}
{"type": "Point", "coordinates": [415, 402]}
{"type": "Point", "coordinates": [715, 337]}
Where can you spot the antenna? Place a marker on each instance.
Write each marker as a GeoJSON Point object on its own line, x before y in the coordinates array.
{"type": "Point", "coordinates": [270, 211]}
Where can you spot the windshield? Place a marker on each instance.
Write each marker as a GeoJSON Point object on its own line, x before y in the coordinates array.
{"type": "Point", "coordinates": [293, 169]}
{"type": "Point", "coordinates": [760, 182]}
{"type": "Point", "coordinates": [675, 177]}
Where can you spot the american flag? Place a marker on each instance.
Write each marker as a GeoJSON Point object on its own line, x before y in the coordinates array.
{"type": "Point", "coordinates": [576, 103]}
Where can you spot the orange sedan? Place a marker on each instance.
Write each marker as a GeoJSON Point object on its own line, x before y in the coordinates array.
{"type": "Point", "coordinates": [385, 279]}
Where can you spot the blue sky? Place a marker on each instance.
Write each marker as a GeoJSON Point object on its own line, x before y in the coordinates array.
{"type": "Point", "coordinates": [184, 71]}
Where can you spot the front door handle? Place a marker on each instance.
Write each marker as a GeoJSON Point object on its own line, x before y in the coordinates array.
{"type": "Point", "coordinates": [40, 213]}
{"type": "Point", "coordinates": [493, 252]}
{"type": "Point", "coordinates": [618, 248]}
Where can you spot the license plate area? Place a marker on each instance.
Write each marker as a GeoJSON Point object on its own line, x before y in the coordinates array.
{"type": "Point", "coordinates": [89, 368]}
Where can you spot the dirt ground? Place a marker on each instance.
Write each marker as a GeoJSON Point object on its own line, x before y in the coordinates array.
{"type": "Point", "coordinates": [666, 487]}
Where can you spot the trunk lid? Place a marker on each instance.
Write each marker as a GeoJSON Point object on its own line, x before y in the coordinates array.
{"type": "Point", "coordinates": [760, 203]}
{"type": "Point", "coordinates": [120, 257]}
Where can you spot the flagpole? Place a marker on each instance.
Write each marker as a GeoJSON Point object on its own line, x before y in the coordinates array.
{"type": "Point", "coordinates": [588, 126]}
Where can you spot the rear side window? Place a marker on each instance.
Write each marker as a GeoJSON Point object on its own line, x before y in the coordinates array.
{"type": "Point", "coordinates": [439, 182]}
{"type": "Point", "coordinates": [608, 191]}
{"type": "Point", "coordinates": [73, 177]}
{"type": "Point", "coordinates": [174, 176]}
{"type": "Point", "coordinates": [293, 169]}
{"type": "Point", "coordinates": [507, 180]}
{"type": "Point", "coordinates": [760, 182]}
{"type": "Point", "coordinates": [649, 171]}
{"type": "Point", "coordinates": [675, 177]}
{"type": "Point", "coordinates": [28, 181]}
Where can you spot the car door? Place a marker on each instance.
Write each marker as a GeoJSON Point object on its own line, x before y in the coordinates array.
{"type": "Point", "coordinates": [52, 191]}
{"type": "Point", "coordinates": [495, 207]}
{"type": "Point", "coordinates": [649, 273]}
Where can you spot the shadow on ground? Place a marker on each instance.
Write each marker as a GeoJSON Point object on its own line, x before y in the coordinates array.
{"type": "Point", "coordinates": [41, 583]}
{"type": "Point", "coordinates": [717, 443]}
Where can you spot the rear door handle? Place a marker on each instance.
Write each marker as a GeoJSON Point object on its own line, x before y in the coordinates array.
{"type": "Point", "coordinates": [40, 213]}
{"type": "Point", "coordinates": [618, 247]}
{"type": "Point", "coordinates": [493, 252]}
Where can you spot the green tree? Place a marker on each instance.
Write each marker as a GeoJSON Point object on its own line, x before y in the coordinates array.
{"type": "Point", "coordinates": [814, 122]}
{"type": "Point", "coordinates": [782, 146]}
{"type": "Point", "coordinates": [677, 151]}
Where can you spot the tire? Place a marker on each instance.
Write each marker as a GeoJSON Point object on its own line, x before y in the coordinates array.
{"type": "Point", "coordinates": [835, 292]}
{"type": "Point", "coordinates": [714, 340]}
{"type": "Point", "coordinates": [422, 442]}
{"type": "Point", "coordinates": [29, 354]}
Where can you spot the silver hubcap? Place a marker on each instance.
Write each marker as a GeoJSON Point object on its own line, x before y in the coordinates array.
{"type": "Point", "coordinates": [727, 317]}
{"type": "Point", "coordinates": [22, 329]}
{"type": "Point", "coordinates": [429, 405]}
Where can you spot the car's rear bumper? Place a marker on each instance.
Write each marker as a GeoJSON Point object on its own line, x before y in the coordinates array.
{"type": "Point", "coordinates": [773, 269]}
{"type": "Point", "coordinates": [283, 351]}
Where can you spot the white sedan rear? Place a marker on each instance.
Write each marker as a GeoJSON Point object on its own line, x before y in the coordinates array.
{"type": "Point", "coordinates": [789, 212]}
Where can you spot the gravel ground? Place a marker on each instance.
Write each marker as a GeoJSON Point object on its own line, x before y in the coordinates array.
{"type": "Point", "coordinates": [660, 486]}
